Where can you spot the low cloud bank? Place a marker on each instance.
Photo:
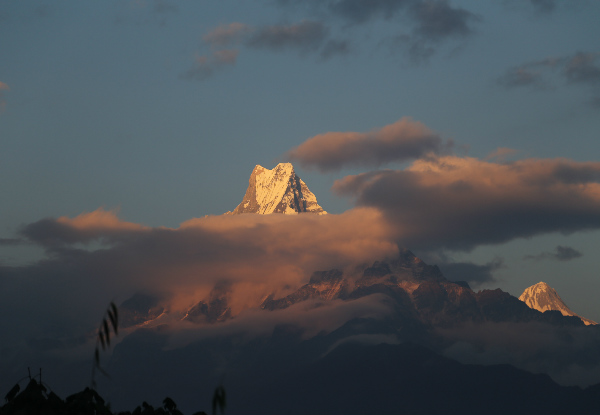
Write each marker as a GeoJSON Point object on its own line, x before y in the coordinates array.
{"type": "Point", "coordinates": [568, 354]}
{"type": "Point", "coordinates": [96, 258]}
{"type": "Point", "coordinates": [458, 203]}
{"type": "Point", "coordinates": [561, 253]}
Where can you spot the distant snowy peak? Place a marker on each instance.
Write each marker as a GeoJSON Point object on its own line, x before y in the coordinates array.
{"type": "Point", "coordinates": [278, 191]}
{"type": "Point", "coordinates": [542, 297]}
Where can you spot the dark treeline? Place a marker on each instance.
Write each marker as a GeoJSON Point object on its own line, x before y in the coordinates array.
{"type": "Point", "coordinates": [37, 399]}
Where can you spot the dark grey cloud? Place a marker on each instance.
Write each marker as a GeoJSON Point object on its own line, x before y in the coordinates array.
{"type": "Point", "coordinates": [335, 47]}
{"type": "Point", "coordinates": [532, 74]}
{"type": "Point", "coordinates": [434, 22]}
{"type": "Point", "coordinates": [565, 353]}
{"type": "Point", "coordinates": [423, 25]}
{"type": "Point", "coordinates": [165, 6]}
{"type": "Point", "coordinates": [561, 253]}
{"type": "Point", "coordinates": [521, 76]}
{"type": "Point", "coordinates": [544, 6]}
{"type": "Point", "coordinates": [583, 173]}
{"type": "Point", "coordinates": [581, 68]}
{"type": "Point", "coordinates": [403, 140]}
{"type": "Point", "coordinates": [142, 12]}
{"type": "Point", "coordinates": [437, 20]}
{"type": "Point", "coordinates": [474, 274]}
{"type": "Point", "coordinates": [539, 7]}
{"type": "Point", "coordinates": [359, 11]}
{"type": "Point", "coordinates": [10, 241]}
{"type": "Point", "coordinates": [459, 203]}
{"type": "Point", "coordinates": [305, 36]}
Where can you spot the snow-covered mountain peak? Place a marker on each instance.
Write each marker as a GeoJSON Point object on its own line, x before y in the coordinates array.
{"type": "Point", "coordinates": [542, 297]}
{"type": "Point", "coordinates": [278, 190]}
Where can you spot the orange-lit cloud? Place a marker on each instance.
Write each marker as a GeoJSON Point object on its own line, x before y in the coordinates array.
{"type": "Point", "coordinates": [205, 66]}
{"type": "Point", "coordinates": [403, 140]}
{"type": "Point", "coordinates": [227, 34]}
{"type": "Point", "coordinates": [99, 221]}
{"type": "Point", "coordinates": [257, 254]}
{"type": "Point", "coordinates": [3, 87]}
{"type": "Point", "coordinates": [459, 203]}
{"type": "Point", "coordinates": [99, 224]}
{"type": "Point", "coordinates": [501, 154]}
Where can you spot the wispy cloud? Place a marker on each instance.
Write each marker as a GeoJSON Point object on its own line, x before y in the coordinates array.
{"type": "Point", "coordinates": [164, 7]}
{"type": "Point", "coordinates": [581, 68]}
{"type": "Point", "coordinates": [474, 274]}
{"type": "Point", "coordinates": [403, 140]}
{"type": "Point", "coordinates": [305, 37]}
{"type": "Point", "coordinates": [540, 8]}
{"type": "Point", "coordinates": [544, 6]}
{"type": "Point", "coordinates": [357, 11]}
{"type": "Point", "coordinates": [3, 89]}
{"type": "Point", "coordinates": [432, 23]}
{"type": "Point", "coordinates": [561, 253]}
{"type": "Point", "coordinates": [205, 66]}
{"type": "Point", "coordinates": [226, 35]}
{"type": "Point", "coordinates": [428, 23]}
{"type": "Point", "coordinates": [530, 74]}
{"type": "Point", "coordinates": [435, 22]}
{"type": "Point", "coordinates": [140, 12]}
{"type": "Point", "coordinates": [10, 241]}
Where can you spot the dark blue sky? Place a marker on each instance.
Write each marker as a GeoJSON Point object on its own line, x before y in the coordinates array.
{"type": "Point", "coordinates": [161, 109]}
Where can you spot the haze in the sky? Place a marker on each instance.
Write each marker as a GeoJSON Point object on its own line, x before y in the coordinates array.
{"type": "Point", "coordinates": [466, 131]}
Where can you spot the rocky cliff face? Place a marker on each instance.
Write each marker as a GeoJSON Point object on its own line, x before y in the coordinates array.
{"type": "Point", "coordinates": [543, 298]}
{"type": "Point", "coordinates": [420, 293]}
{"type": "Point", "coordinates": [278, 191]}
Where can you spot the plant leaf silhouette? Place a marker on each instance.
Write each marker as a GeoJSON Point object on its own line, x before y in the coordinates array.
{"type": "Point", "coordinates": [106, 331]}
{"type": "Point", "coordinates": [219, 400]}
{"type": "Point", "coordinates": [113, 315]}
{"type": "Point", "coordinates": [103, 339]}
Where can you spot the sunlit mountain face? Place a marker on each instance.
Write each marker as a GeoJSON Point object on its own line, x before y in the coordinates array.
{"type": "Point", "coordinates": [278, 191]}
{"type": "Point", "coordinates": [543, 298]}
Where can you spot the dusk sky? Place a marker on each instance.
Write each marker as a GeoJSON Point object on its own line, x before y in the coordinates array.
{"type": "Point", "coordinates": [466, 131]}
